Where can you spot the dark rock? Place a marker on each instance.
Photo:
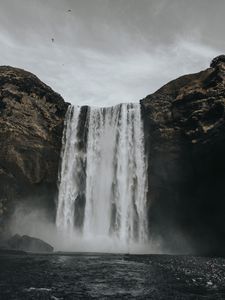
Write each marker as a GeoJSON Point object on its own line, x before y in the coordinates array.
{"type": "Point", "coordinates": [9, 251]}
{"type": "Point", "coordinates": [31, 125]}
{"type": "Point", "coordinates": [184, 125]}
{"type": "Point", "coordinates": [217, 60]}
{"type": "Point", "coordinates": [29, 244]}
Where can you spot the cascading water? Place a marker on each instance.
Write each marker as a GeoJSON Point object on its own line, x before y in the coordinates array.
{"type": "Point", "coordinates": [102, 181]}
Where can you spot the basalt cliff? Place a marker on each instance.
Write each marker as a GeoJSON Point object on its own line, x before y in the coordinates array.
{"type": "Point", "coordinates": [184, 127]}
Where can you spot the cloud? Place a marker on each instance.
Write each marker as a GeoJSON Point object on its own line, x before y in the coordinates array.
{"type": "Point", "coordinates": [107, 52]}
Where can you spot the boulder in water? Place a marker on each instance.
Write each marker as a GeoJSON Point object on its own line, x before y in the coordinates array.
{"type": "Point", "coordinates": [29, 244]}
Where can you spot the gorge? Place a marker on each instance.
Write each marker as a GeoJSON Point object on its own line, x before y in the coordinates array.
{"type": "Point", "coordinates": [184, 142]}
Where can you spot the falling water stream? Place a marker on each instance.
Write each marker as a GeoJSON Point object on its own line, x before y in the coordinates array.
{"type": "Point", "coordinates": [102, 179]}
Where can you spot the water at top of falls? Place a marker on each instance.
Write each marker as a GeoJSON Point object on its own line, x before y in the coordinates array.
{"type": "Point", "coordinates": [102, 179]}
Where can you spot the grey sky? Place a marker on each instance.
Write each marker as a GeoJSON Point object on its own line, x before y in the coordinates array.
{"type": "Point", "coordinates": [110, 51]}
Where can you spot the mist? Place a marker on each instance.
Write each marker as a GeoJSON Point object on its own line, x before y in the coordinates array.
{"type": "Point", "coordinates": [36, 222]}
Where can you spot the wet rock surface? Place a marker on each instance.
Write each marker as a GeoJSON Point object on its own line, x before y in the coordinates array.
{"type": "Point", "coordinates": [31, 125]}
{"type": "Point", "coordinates": [184, 125]}
{"type": "Point", "coordinates": [29, 244]}
{"type": "Point", "coordinates": [111, 277]}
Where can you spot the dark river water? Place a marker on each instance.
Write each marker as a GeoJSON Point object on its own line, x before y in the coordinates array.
{"type": "Point", "coordinates": [111, 277]}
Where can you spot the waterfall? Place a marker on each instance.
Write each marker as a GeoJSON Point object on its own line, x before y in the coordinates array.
{"type": "Point", "coordinates": [102, 179]}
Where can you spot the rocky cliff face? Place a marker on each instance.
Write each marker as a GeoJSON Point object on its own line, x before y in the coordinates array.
{"type": "Point", "coordinates": [185, 138]}
{"type": "Point", "coordinates": [31, 124]}
{"type": "Point", "coordinates": [184, 125]}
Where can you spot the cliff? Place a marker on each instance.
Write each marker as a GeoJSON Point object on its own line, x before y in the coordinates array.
{"type": "Point", "coordinates": [31, 125]}
{"type": "Point", "coordinates": [184, 125]}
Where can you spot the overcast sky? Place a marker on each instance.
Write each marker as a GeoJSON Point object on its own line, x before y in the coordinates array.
{"type": "Point", "coordinates": [110, 51]}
